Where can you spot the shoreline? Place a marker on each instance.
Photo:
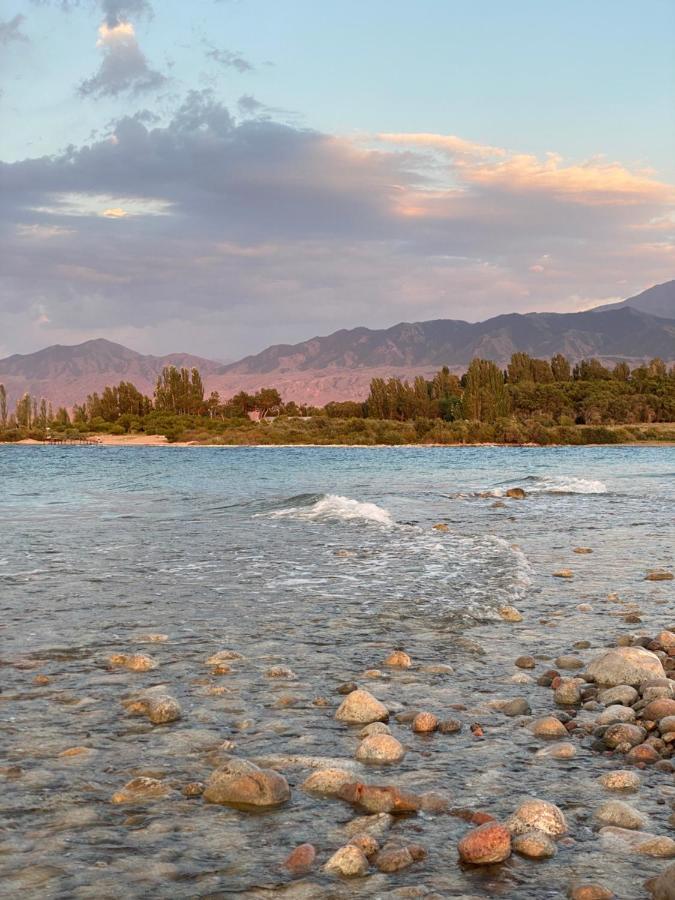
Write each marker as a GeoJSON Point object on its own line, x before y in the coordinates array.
{"type": "Point", "coordinates": [158, 440]}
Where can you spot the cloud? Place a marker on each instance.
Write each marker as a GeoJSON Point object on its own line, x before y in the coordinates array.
{"type": "Point", "coordinates": [241, 233]}
{"type": "Point", "coordinates": [229, 60]}
{"type": "Point", "coordinates": [118, 11]}
{"type": "Point", "coordinates": [124, 68]}
{"type": "Point", "coordinates": [10, 30]}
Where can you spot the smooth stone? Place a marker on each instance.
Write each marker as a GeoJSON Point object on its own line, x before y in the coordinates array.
{"type": "Point", "coordinates": [537, 815]}
{"type": "Point", "coordinates": [659, 575]}
{"type": "Point", "coordinates": [568, 662]}
{"type": "Point", "coordinates": [374, 728]}
{"type": "Point", "coordinates": [622, 694]}
{"type": "Point", "coordinates": [534, 844]}
{"type": "Point", "coordinates": [380, 748]}
{"type": "Point", "coordinates": [376, 825]}
{"type": "Point", "coordinates": [563, 573]}
{"type": "Point", "coordinates": [663, 886]}
{"type": "Point", "coordinates": [361, 708]}
{"type": "Point", "coordinates": [301, 860]}
{"type": "Point", "coordinates": [625, 665]}
{"type": "Point", "coordinates": [281, 672]}
{"type": "Point", "coordinates": [666, 639]}
{"type": "Point", "coordinates": [398, 659]}
{"type": "Point", "coordinates": [525, 662]}
{"type": "Point", "coordinates": [624, 734]}
{"type": "Point", "coordinates": [437, 669]}
{"type": "Point", "coordinates": [349, 861]}
{"type": "Point", "coordinates": [368, 845]}
{"type": "Point", "coordinates": [223, 656]}
{"type": "Point", "coordinates": [326, 782]}
{"type": "Point", "coordinates": [515, 493]}
{"type": "Point", "coordinates": [613, 714]}
{"type": "Point", "coordinates": [159, 709]}
{"type": "Point", "coordinates": [568, 692]}
{"type": "Point", "coordinates": [450, 726]}
{"type": "Point", "coordinates": [521, 678]}
{"type": "Point", "coordinates": [667, 725]}
{"type": "Point", "coordinates": [562, 750]}
{"type": "Point", "coordinates": [424, 723]}
{"type": "Point", "coordinates": [615, 812]}
{"type": "Point", "coordinates": [641, 842]}
{"type": "Point", "coordinates": [548, 727]}
{"type": "Point", "coordinates": [376, 798]}
{"type": "Point", "coordinates": [138, 790]}
{"type": "Point", "coordinates": [620, 780]}
{"type": "Point", "coordinates": [591, 892]}
{"type": "Point", "coordinates": [395, 859]}
{"type": "Point", "coordinates": [134, 662]}
{"type": "Point", "coordinates": [510, 614]}
{"type": "Point", "coordinates": [517, 707]}
{"type": "Point", "coordinates": [486, 845]}
{"type": "Point", "coordinates": [658, 709]}
{"type": "Point", "coordinates": [241, 783]}
{"type": "Point", "coordinates": [582, 550]}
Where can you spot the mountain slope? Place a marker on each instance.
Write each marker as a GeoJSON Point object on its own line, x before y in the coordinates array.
{"type": "Point", "coordinates": [655, 301]}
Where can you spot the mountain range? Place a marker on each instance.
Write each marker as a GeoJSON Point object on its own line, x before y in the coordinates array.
{"type": "Point", "coordinates": [341, 365]}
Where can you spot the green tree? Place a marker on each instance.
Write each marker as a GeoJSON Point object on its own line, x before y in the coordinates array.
{"type": "Point", "coordinates": [3, 405]}
{"type": "Point", "coordinates": [485, 396]}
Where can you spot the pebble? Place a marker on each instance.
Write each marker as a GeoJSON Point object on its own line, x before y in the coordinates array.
{"type": "Point", "coordinates": [134, 662]}
{"type": "Point", "coordinates": [534, 844]}
{"type": "Point", "coordinates": [399, 659]}
{"type": "Point", "coordinates": [615, 812]}
{"type": "Point", "coordinates": [486, 845]}
{"type": "Point", "coordinates": [138, 790]}
{"type": "Point", "coordinates": [548, 727]}
{"type": "Point", "coordinates": [366, 843]}
{"type": "Point", "coordinates": [424, 723]}
{"type": "Point", "coordinates": [349, 861]}
{"type": "Point", "coordinates": [395, 859]}
{"type": "Point", "coordinates": [510, 614]}
{"type": "Point", "coordinates": [449, 726]}
{"type": "Point", "coordinates": [568, 662]}
{"type": "Point", "coordinates": [376, 825]}
{"type": "Point", "coordinates": [568, 692]}
{"type": "Point", "coordinates": [301, 860]}
{"type": "Point", "coordinates": [561, 750]}
{"type": "Point", "coordinates": [622, 694]}
{"type": "Point", "coordinates": [658, 709]}
{"type": "Point", "coordinates": [281, 672]}
{"type": "Point", "coordinates": [614, 714]}
{"type": "Point", "coordinates": [327, 782]}
{"type": "Point", "coordinates": [223, 656]}
{"type": "Point", "coordinates": [241, 783]}
{"type": "Point", "coordinates": [380, 748]}
{"type": "Point", "coordinates": [517, 707]}
{"type": "Point", "coordinates": [525, 662]}
{"type": "Point", "coordinates": [360, 708]}
{"type": "Point", "coordinates": [537, 815]}
{"type": "Point", "coordinates": [659, 575]}
{"type": "Point", "coordinates": [379, 798]}
{"type": "Point", "coordinates": [624, 733]}
{"type": "Point", "coordinates": [563, 573]}
{"type": "Point", "coordinates": [590, 892]}
{"type": "Point", "coordinates": [582, 550]}
{"type": "Point", "coordinates": [374, 728]}
{"type": "Point", "coordinates": [620, 780]}
{"type": "Point", "coordinates": [159, 709]}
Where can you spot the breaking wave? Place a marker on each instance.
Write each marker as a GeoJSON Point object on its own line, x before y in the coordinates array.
{"type": "Point", "coordinates": [336, 507]}
{"type": "Point", "coordinates": [556, 484]}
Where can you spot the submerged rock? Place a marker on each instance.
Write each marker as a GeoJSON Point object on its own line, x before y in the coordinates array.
{"type": "Point", "coordinates": [537, 815]}
{"type": "Point", "coordinates": [301, 860]}
{"type": "Point", "coordinates": [397, 858]}
{"type": "Point", "coordinates": [620, 780]}
{"type": "Point", "coordinates": [241, 783]}
{"type": "Point", "coordinates": [548, 727]}
{"type": "Point", "coordinates": [625, 665]}
{"type": "Point", "coordinates": [515, 493]}
{"type": "Point", "coordinates": [510, 614]}
{"type": "Point", "coordinates": [138, 790]}
{"type": "Point", "coordinates": [486, 845]}
{"type": "Point", "coordinates": [380, 748]}
{"type": "Point", "coordinates": [534, 844]}
{"type": "Point", "coordinates": [349, 861]}
{"type": "Point", "coordinates": [360, 708]}
{"type": "Point", "coordinates": [327, 782]}
{"type": "Point", "coordinates": [641, 842]}
{"type": "Point", "coordinates": [134, 662]}
{"type": "Point", "coordinates": [379, 798]}
{"type": "Point", "coordinates": [614, 812]}
{"type": "Point", "coordinates": [159, 709]}
{"type": "Point", "coordinates": [424, 723]}
{"type": "Point", "coordinates": [398, 659]}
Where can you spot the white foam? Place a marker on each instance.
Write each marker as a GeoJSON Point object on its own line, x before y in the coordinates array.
{"type": "Point", "coordinates": [334, 506]}
{"type": "Point", "coordinates": [569, 484]}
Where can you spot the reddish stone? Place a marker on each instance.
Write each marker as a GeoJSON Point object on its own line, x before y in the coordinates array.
{"type": "Point", "coordinates": [477, 730]}
{"type": "Point", "coordinates": [300, 860]}
{"type": "Point", "coordinates": [659, 709]}
{"type": "Point", "coordinates": [379, 798]}
{"type": "Point", "coordinates": [643, 753]}
{"type": "Point", "coordinates": [485, 845]}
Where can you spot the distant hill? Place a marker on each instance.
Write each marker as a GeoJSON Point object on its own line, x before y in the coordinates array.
{"type": "Point", "coordinates": [65, 375]}
{"type": "Point", "coordinates": [656, 301]}
{"type": "Point", "coordinates": [341, 365]}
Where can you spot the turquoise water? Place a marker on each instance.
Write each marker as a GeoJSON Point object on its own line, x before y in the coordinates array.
{"type": "Point", "coordinates": [320, 559]}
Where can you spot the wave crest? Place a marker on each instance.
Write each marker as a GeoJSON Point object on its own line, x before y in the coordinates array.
{"type": "Point", "coordinates": [336, 507]}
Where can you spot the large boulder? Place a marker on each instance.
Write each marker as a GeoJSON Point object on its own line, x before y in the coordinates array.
{"type": "Point", "coordinates": [242, 784]}
{"type": "Point", "coordinates": [625, 665]}
{"type": "Point", "coordinates": [361, 708]}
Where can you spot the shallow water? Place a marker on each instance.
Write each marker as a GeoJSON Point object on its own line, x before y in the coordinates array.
{"type": "Point", "coordinates": [322, 559]}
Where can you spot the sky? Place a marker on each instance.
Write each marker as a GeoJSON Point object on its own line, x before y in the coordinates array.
{"type": "Point", "coordinates": [222, 175]}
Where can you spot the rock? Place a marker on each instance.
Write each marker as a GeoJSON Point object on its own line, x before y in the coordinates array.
{"type": "Point", "coordinates": [658, 575]}
{"type": "Point", "coordinates": [642, 753]}
{"type": "Point", "coordinates": [399, 659]}
{"type": "Point", "coordinates": [301, 860]}
{"type": "Point", "coordinates": [76, 751]}
{"type": "Point", "coordinates": [622, 694]}
{"type": "Point", "coordinates": [138, 790]}
{"type": "Point", "coordinates": [561, 750]}
{"type": "Point", "coordinates": [366, 843]}
{"type": "Point", "coordinates": [568, 662]}
{"type": "Point", "coordinates": [395, 859]}
{"type": "Point", "coordinates": [534, 844]}
{"type": "Point", "coordinates": [568, 692]}
{"type": "Point", "coordinates": [379, 798]}
{"type": "Point", "coordinates": [223, 656]}
{"type": "Point", "coordinates": [424, 723]}
{"type": "Point", "coordinates": [483, 846]}
{"type": "Point", "coordinates": [659, 687]}
{"type": "Point", "coordinates": [563, 573]}
{"type": "Point", "coordinates": [159, 709]}
{"type": "Point", "coordinates": [517, 707]}
{"type": "Point", "coordinates": [659, 709]}
{"type": "Point", "coordinates": [376, 825]}
{"type": "Point", "coordinates": [449, 726]}
{"type": "Point", "coordinates": [42, 680]}
{"type": "Point", "coordinates": [193, 789]}
{"type": "Point", "coordinates": [348, 861]}
{"type": "Point", "coordinates": [537, 815]}
{"type": "Point", "coordinates": [666, 639]}
{"type": "Point", "coordinates": [525, 662]}
{"type": "Point", "coordinates": [641, 842]}
{"type": "Point", "coordinates": [134, 662]}
{"type": "Point", "coordinates": [663, 887]}
{"type": "Point", "coordinates": [347, 687]}
{"type": "Point", "coordinates": [614, 714]}
{"type": "Point", "coordinates": [361, 708]}
{"type": "Point", "coordinates": [510, 614]}
{"type": "Point", "coordinates": [624, 734]}
{"type": "Point", "coordinates": [548, 727]}
{"type": "Point", "coordinates": [515, 493]}
{"type": "Point", "coordinates": [614, 812]}
{"type": "Point", "coordinates": [152, 638]}
{"type": "Point", "coordinates": [437, 669]}
{"type": "Point", "coordinates": [582, 550]}
{"type": "Point", "coordinates": [242, 784]}
{"type": "Point", "coordinates": [620, 780]}
{"type": "Point", "coordinates": [374, 728]}
{"type": "Point", "coordinates": [591, 892]}
{"type": "Point", "coordinates": [326, 782]}
{"type": "Point", "coordinates": [380, 748]}
{"type": "Point", "coordinates": [625, 665]}
{"type": "Point", "coordinates": [667, 725]}
{"type": "Point", "coordinates": [441, 526]}
{"type": "Point", "coordinates": [281, 672]}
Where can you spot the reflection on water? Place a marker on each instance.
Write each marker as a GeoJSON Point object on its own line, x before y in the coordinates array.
{"type": "Point", "coordinates": [321, 560]}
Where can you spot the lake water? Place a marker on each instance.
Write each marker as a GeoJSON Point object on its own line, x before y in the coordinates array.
{"type": "Point", "coordinates": [321, 559]}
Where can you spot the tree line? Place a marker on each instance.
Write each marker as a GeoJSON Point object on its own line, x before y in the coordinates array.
{"type": "Point", "coordinates": [533, 391]}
